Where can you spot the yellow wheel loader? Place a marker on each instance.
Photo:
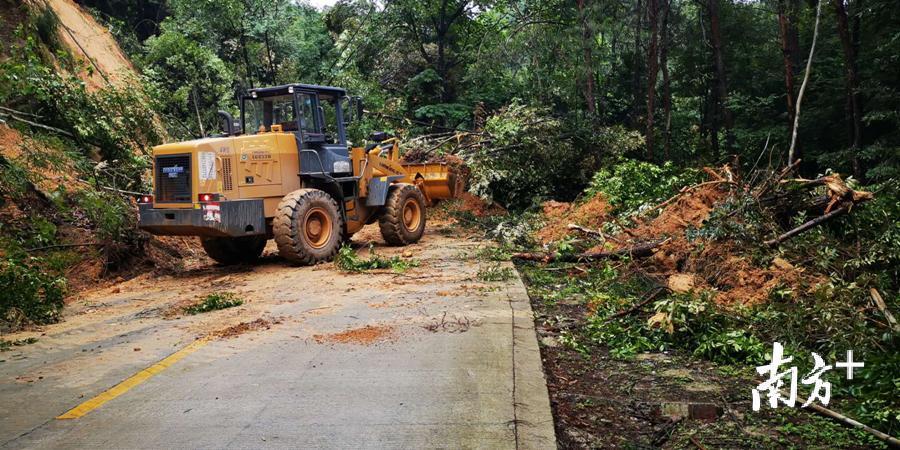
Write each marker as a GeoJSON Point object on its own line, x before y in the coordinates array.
{"type": "Point", "coordinates": [285, 172]}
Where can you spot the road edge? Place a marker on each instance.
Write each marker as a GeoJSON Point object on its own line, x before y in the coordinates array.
{"type": "Point", "coordinates": [534, 419]}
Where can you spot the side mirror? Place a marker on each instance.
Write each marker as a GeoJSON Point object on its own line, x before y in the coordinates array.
{"type": "Point", "coordinates": [347, 110]}
{"type": "Point", "coordinates": [357, 102]}
{"type": "Point", "coordinates": [226, 122]}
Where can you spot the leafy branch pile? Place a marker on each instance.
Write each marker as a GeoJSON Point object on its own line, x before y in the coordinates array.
{"type": "Point", "coordinates": [348, 261]}
{"type": "Point", "coordinates": [722, 268]}
{"type": "Point", "coordinates": [214, 302]}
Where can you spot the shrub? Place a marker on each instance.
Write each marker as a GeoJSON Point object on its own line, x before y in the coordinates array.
{"type": "Point", "coordinates": [111, 216]}
{"type": "Point", "coordinates": [27, 294]}
{"type": "Point", "coordinates": [630, 184]}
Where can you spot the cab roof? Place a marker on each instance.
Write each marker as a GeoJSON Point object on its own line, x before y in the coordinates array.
{"type": "Point", "coordinates": [283, 89]}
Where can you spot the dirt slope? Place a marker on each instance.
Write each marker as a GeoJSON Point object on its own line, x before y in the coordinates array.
{"type": "Point", "coordinates": [92, 41]}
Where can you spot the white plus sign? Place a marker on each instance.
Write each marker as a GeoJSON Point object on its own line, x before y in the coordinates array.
{"type": "Point", "coordinates": [849, 364]}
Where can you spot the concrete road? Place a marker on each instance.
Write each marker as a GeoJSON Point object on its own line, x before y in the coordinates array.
{"type": "Point", "coordinates": [314, 358]}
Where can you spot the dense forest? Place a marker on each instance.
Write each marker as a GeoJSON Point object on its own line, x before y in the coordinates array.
{"type": "Point", "coordinates": [693, 81]}
{"type": "Point", "coordinates": [631, 101]}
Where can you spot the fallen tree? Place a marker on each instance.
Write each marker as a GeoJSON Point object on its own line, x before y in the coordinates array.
{"type": "Point", "coordinates": [639, 250]}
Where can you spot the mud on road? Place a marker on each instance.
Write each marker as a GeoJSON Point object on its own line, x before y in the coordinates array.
{"type": "Point", "coordinates": [436, 320]}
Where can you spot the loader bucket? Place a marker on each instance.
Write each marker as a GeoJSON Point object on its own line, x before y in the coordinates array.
{"type": "Point", "coordinates": [437, 181]}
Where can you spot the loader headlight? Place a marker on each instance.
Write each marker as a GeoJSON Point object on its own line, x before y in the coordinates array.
{"type": "Point", "coordinates": [341, 166]}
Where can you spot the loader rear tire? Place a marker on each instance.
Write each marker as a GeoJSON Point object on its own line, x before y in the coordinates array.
{"type": "Point", "coordinates": [234, 250]}
{"type": "Point", "coordinates": [308, 227]}
{"type": "Point", "coordinates": [403, 220]}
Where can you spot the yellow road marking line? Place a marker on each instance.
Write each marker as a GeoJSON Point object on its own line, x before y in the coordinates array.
{"type": "Point", "coordinates": [133, 381]}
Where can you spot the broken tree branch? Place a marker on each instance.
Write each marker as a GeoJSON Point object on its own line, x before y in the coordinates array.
{"type": "Point", "coordinates": [37, 125]}
{"type": "Point", "coordinates": [879, 302]}
{"type": "Point", "coordinates": [590, 232]}
{"type": "Point", "coordinates": [19, 113]}
{"type": "Point", "coordinates": [894, 442]}
{"type": "Point", "coordinates": [810, 224]}
{"type": "Point", "coordinates": [649, 298]}
{"type": "Point", "coordinates": [640, 250]}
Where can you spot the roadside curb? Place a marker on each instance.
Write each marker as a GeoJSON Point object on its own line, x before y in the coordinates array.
{"type": "Point", "coordinates": [534, 419]}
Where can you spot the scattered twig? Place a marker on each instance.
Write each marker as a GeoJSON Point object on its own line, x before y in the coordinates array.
{"type": "Point", "coordinates": [649, 298]}
{"type": "Point", "coordinates": [120, 191]}
{"type": "Point", "coordinates": [86, 244]}
{"type": "Point", "coordinates": [685, 190]}
{"type": "Point", "coordinates": [696, 442]}
{"type": "Point", "coordinates": [589, 232]}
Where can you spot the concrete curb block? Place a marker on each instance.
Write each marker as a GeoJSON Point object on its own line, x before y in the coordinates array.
{"type": "Point", "coordinates": [534, 429]}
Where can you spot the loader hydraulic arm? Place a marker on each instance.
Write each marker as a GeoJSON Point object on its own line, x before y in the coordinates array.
{"type": "Point", "coordinates": [371, 164]}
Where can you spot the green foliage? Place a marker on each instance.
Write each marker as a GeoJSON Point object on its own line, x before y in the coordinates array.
{"type": "Point", "coordinates": [6, 346]}
{"type": "Point", "coordinates": [348, 261]}
{"type": "Point", "coordinates": [27, 293]}
{"type": "Point", "coordinates": [534, 155]}
{"type": "Point", "coordinates": [624, 338]}
{"type": "Point", "coordinates": [630, 184]}
{"type": "Point", "coordinates": [47, 26]}
{"type": "Point", "coordinates": [493, 253]}
{"type": "Point", "coordinates": [186, 79]}
{"type": "Point", "coordinates": [820, 429]}
{"type": "Point", "coordinates": [455, 114]}
{"type": "Point", "coordinates": [215, 302]}
{"type": "Point", "coordinates": [731, 347]}
{"type": "Point", "coordinates": [112, 120]}
{"type": "Point", "coordinates": [14, 179]}
{"type": "Point", "coordinates": [495, 272]}
{"type": "Point", "coordinates": [111, 216]}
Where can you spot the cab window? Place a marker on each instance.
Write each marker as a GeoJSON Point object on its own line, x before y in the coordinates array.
{"type": "Point", "coordinates": [261, 113]}
{"type": "Point", "coordinates": [329, 118]}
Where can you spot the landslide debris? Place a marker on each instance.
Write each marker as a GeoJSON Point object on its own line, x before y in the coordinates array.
{"type": "Point", "coordinates": [681, 246]}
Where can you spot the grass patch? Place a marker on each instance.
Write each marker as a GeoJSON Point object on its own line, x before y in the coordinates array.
{"type": "Point", "coordinates": [213, 302]}
{"type": "Point", "coordinates": [347, 260]}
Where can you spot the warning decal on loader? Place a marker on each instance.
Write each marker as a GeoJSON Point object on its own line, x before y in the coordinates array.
{"type": "Point", "coordinates": [212, 212]}
{"type": "Point", "coordinates": [207, 163]}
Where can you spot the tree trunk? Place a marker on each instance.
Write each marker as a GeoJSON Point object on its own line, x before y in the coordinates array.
{"type": "Point", "coordinates": [667, 82]}
{"type": "Point", "coordinates": [586, 38]}
{"type": "Point", "coordinates": [636, 72]}
{"type": "Point", "coordinates": [721, 82]}
{"type": "Point", "coordinates": [441, 34]}
{"type": "Point", "coordinates": [652, 69]}
{"type": "Point", "coordinates": [790, 50]}
{"type": "Point", "coordinates": [854, 108]}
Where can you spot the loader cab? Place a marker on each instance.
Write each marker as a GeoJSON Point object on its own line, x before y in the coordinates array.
{"type": "Point", "coordinates": [314, 114]}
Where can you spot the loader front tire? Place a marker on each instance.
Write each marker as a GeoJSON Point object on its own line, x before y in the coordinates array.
{"type": "Point", "coordinates": [403, 220]}
{"type": "Point", "coordinates": [308, 227]}
{"type": "Point", "coordinates": [234, 250]}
